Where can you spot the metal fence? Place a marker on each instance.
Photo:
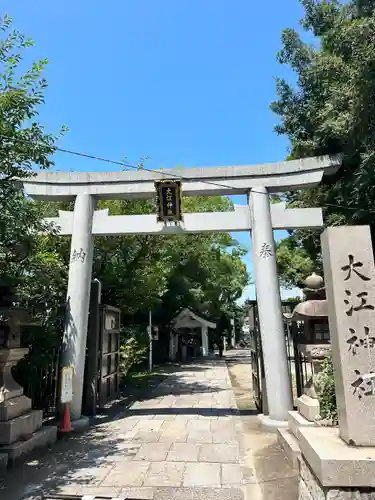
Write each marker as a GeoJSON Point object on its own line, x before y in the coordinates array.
{"type": "Point", "coordinates": [298, 365]}
{"type": "Point", "coordinates": [40, 383]}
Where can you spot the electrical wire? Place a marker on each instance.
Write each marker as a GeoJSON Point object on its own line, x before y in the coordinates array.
{"type": "Point", "coordinates": [135, 167]}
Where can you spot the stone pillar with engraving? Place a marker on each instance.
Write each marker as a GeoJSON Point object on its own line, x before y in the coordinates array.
{"type": "Point", "coordinates": [78, 299]}
{"type": "Point", "coordinates": [340, 462]}
{"type": "Point", "coordinates": [270, 312]}
{"type": "Point", "coordinates": [20, 426]}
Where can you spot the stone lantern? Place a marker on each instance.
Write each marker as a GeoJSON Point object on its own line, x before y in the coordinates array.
{"type": "Point", "coordinates": [315, 340]}
{"type": "Point", "coordinates": [20, 426]}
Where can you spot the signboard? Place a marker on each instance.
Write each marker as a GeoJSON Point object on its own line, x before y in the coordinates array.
{"type": "Point", "coordinates": [155, 333]}
{"type": "Point", "coordinates": [168, 200]}
{"type": "Point", "coordinates": [66, 384]}
{"type": "Point", "coordinates": [111, 320]}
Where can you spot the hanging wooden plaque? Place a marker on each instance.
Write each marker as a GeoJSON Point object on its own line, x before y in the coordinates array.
{"type": "Point", "coordinates": [168, 200]}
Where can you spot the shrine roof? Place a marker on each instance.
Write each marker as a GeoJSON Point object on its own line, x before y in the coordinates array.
{"type": "Point", "coordinates": [188, 318]}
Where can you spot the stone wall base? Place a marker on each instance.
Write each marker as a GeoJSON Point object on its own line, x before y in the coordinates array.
{"type": "Point", "coordinates": [310, 488]}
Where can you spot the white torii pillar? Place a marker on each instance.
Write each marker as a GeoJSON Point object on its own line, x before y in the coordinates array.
{"type": "Point", "coordinates": [78, 296]}
{"type": "Point", "coordinates": [269, 310]}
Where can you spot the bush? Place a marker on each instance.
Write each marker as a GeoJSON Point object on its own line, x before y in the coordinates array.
{"type": "Point", "coordinates": [326, 393]}
{"type": "Point", "coordinates": [133, 348]}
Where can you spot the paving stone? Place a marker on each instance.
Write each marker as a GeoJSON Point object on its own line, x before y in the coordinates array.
{"type": "Point", "coordinates": [149, 425]}
{"type": "Point", "coordinates": [203, 437]}
{"type": "Point", "coordinates": [127, 424]}
{"type": "Point", "coordinates": [184, 417]}
{"type": "Point", "coordinates": [223, 425]}
{"type": "Point", "coordinates": [231, 474]}
{"type": "Point", "coordinates": [174, 427]}
{"type": "Point", "coordinates": [147, 436]}
{"type": "Point", "coordinates": [165, 474]}
{"type": "Point", "coordinates": [178, 437]}
{"type": "Point", "coordinates": [126, 420]}
{"type": "Point", "coordinates": [164, 416]}
{"type": "Point", "coordinates": [145, 405]}
{"type": "Point", "coordinates": [248, 474]}
{"type": "Point", "coordinates": [61, 489]}
{"type": "Point", "coordinates": [116, 458]}
{"type": "Point", "coordinates": [132, 475]}
{"type": "Point", "coordinates": [107, 491]}
{"type": "Point", "coordinates": [221, 453]}
{"type": "Point", "coordinates": [184, 403]}
{"type": "Point", "coordinates": [153, 452]}
{"type": "Point", "coordinates": [208, 417]}
{"type": "Point", "coordinates": [184, 452]}
{"type": "Point", "coordinates": [137, 493]}
{"type": "Point", "coordinates": [202, 474]}
{"type": "Point", "coordinates": [92, 476]}
{"type": "Point", "coordinates": [224, 437]}
{"type": "Point", "coordinates": [199, 426]}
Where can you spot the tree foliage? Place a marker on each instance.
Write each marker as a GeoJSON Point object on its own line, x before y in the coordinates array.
{"type": "Point", "coordinates": [24, 145]}
{"type": "Point", "coordinates": [326, 392]}
{"type": "Point", "coordinates": [330, 110]}
{"type": "Point", "coordinates": [164, 274]}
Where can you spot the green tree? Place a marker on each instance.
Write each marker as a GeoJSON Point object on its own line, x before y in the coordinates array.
{"type": "Point", "coordinates": [330, 110]}
{"type": "Point", "coordinates": [294, 262]}
{"type": "Point", "coordinates": [28, 263]}
{"type": "Point", "coordinates": [166, 273]}
{"type": "Point", "coordinates": [24, 146]}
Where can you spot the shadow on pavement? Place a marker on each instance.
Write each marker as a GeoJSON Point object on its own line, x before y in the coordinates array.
{"type": "Point", "coordinates": [204, 412]}
{"type": "Point", "coordinates": [82, 460]}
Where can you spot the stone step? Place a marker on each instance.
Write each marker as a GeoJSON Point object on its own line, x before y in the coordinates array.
{"type": "Point", "coordinates": [308, 407]}
{"type": "Point", "coordinates": [296, 420]}
{"type": "Point", "coordinates": [12, 408]}
{"type": "Point", "coordinates": [41, 438]}
{"type": "Point", "coordinates": [20, 427]}
{"type": "Point", "coordinates": [290, 446]}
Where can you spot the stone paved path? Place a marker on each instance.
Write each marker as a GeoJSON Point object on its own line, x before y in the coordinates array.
{"type": "Point", "coordinates": [182, 443]}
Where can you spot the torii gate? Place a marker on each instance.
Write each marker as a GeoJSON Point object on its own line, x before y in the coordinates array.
{"type": "Point", "coordinates": [260, 217]}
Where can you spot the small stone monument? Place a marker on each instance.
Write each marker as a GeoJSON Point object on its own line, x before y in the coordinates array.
{"type": "Point", "coordinates": [340, 462]}
{"type": "Point", "coordinates": [20, 427]}
{"type": "Point", "coordinates": [350, 272]}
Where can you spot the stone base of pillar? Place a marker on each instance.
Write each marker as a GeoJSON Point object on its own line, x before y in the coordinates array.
{"type": "Point", "coordinates": [42, 438]}
{"type": "Point", "coordinates": [21, 428]}
{"type": "Point", "coordinates": [332, 469]}
{"type": "Point", "coordinates": [81, 425]}
{"type": "Point", "coordinates": [267, 424]}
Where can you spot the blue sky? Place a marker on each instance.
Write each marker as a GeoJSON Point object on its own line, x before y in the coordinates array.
{"type": "Point", "coordinates": [186, 82]}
